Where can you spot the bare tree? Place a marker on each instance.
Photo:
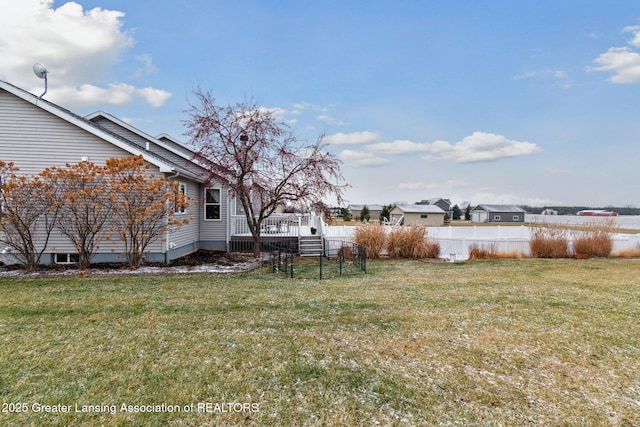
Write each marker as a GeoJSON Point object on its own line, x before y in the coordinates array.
{"type": "Point", "coordinates": [259, 159]}
{"type": "Point", "coordinates": [26, 219]}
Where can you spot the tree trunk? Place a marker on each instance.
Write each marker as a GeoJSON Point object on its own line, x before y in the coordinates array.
{"type": "Point", "coordinates": [255, 233]}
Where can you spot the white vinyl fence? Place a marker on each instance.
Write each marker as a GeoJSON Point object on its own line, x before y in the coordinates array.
{"type": "Point", "coordinates": [455, 242]}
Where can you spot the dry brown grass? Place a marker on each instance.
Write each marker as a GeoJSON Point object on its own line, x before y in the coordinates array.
{"type": "Point", "coordinates": [549, 241]}
{"type": "Point", "coordinates": [372, 236]}
{"type": "Point", "coordinates": [477, 251]}
{"type": "Point", "coordinates": [410, 241]}
{"type": "Point", "coordinates": [589, 240]}
{"type": "Point", "coordinates": [594, 240]}
{"type": "Point", "coordinates": [633, 252]}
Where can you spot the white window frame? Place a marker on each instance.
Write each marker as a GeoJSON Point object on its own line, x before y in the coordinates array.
{"type": "Point", "coordinates": [1, 197]}
{"type": "Point", "coordinates": [219, 204]}
{"type": "Point", "coordinates": [66, 258]}
{"type": "Point", "coordinates": [516, 217]}
{"type": "Point", "coordinates": [497, 218]}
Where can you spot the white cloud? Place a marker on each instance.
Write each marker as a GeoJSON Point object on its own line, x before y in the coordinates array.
{"type": "Point", "coordinates": [148, 66]}
{"type": "Point", "coordinates": [87, 94]}
{"type": "Point", "coordinates": [487, 197]}
{"type": "Point", "coordinates": [331, 120]}
{"type": "Point", "coordinates": [560, 76]}
{"type": "Point", "coordinates": [353, 138]}
{"type": "Point", "coordinates": [155, 97]}
{"type": "Point", "coordinates": [526, 75]}
{"type": "Point", "coordinates": [457, 183]}
{"type": "Point", "coordinates": [401, 147]}
{"type": "Point", "coordinates": [622, 61]}
{"type": "Point", "coordinates": [417, 185]}
{"type": "Point", "coordinates": [276, 111]}
{"type": "Point", "coordinates": [361, 159]}
{"type": "Point", "coordinates": [301, 106]}
{"type": "Point", "coordinates": [482, 147]}
{"type": "Point", "coordinates": [79, 48]}
{"type": "Point", "coordinates": [635, 29]}
{"type": "Point", "coordinates": [478, 147]}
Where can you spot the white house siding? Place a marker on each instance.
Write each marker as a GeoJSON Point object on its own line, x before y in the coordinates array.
{"type": "Point", "coordinates": [155, 148]}
{"type": "Point", "coordinates": [34, 139]}
{"type": "Point", "coordinates": [213, 233]}
{"type": "Point", "coordinates": [199, 233]}
{"type": "Point", "coordinates": [185, 239]}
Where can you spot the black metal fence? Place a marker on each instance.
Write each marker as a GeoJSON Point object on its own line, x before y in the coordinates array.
{"type": "Point", "coordinates": [346, 253]}
{"type": "Point", "coordinates": [282, 261]}
{"type": "Point", "coordinates": [339, 258]}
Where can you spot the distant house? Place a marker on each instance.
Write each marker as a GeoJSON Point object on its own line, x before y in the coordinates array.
{"type": "Point", "coordinates": [596, 212]}
{"type": "Point", "coordinates": [430, 215]}
{"type": "Point", "coordinates": [497, 213]}
{"type": "Point", "coordinates": [335, 211]}
{"type": "Point", "coordinates": [374, 211]}
{"type": "Point", "coordinates": [444, 204]}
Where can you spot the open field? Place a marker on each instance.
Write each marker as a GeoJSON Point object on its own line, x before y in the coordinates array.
{"type": "Point", "coordinates": [504, 342]}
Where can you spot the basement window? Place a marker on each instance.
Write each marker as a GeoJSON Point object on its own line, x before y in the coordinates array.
{"type": "Point", "coordinates": [66, 258]}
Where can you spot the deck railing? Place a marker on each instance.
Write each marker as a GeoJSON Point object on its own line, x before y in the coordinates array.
{"type": "Point", "coordinates": [286, 225]}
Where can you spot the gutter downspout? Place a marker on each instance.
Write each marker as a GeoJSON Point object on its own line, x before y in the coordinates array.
{"type": "Point", "coordinates": [167, 259]}
{"type": "Point", "coordinates": [229, 219]}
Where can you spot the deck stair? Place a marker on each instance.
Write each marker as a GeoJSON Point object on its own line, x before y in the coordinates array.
{"type": "Point", "coordinates": [310, 245]}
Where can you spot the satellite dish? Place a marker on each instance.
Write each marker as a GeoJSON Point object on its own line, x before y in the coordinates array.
{"type": "Point", "coordinates": [41, 71]}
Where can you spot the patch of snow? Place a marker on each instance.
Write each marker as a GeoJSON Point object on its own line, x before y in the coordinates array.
{"type": "Point", "coordinates": [238, 267]}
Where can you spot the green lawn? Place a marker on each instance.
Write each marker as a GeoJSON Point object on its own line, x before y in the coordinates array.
{"type": "Point", "coordinates": [509, 342]}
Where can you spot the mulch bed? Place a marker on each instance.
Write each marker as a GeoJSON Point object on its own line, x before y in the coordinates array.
{"type": "Point", "coordinates": [200, 257]}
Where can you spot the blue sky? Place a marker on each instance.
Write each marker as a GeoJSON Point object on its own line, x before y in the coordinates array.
{"type": "Point", "coordinates": [527, 102]}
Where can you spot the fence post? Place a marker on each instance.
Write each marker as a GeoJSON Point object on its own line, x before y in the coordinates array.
{"type": "Point", "coordinates": [364, 259]}
{"type": "Point", "coordinates": [291, 264]}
